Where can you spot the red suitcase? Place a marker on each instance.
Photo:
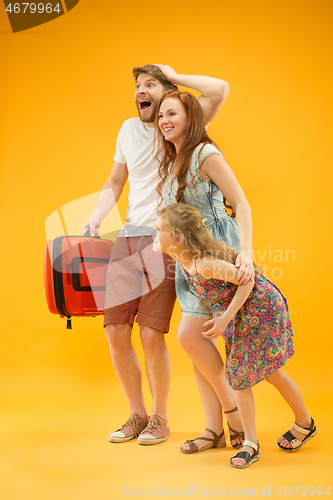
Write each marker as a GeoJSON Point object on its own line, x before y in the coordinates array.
{"type": "Point", "coordinates": [74, 275]}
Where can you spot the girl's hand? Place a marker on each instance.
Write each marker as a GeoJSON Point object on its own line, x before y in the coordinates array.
{"type": "Point", "coordinates": [220, 324]}
{"type": "Point", "coordinates": [245, 264]}
{"type": "Point", "coordinates": [168, 72]}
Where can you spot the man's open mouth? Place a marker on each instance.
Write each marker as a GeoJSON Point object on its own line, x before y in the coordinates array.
{"type": "Point", "coordinates": [144, 105]}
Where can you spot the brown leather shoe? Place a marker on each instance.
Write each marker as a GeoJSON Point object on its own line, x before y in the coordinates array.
{"type": "Point", "coordinates": [212, 443]}
{"type": "Point", "coordinates": [235, 434]}
{"type": "Point", "coordinates": [156, 431]}
{"type": "Point", "coordinates": [130, 430]}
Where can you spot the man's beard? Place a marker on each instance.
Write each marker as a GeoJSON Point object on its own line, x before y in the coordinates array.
{"type": "Point", "coordinates": [150, 116]}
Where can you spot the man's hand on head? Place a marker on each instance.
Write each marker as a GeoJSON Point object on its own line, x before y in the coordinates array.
{"type": "Point", "coordinates": [168, 72]}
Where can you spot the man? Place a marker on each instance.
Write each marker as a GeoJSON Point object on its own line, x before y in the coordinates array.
{"type": "Point", "coordinates": [153, 307]}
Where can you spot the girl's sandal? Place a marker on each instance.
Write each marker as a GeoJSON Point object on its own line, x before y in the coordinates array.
{"type": "Point", "coordinates": [214, 443]}
{"type": "Point", "coordinates": [235, 434]}
{"type": "Point", "coordinates": [297, 443]}
{"type": "Point", "coordinates": [245, 455]}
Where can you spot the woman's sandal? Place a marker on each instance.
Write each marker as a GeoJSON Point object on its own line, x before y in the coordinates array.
{"type": "Point", "coordinates": [214, 443]}
{"type": "Point", "coordinates": [235, 434]}
{"type": "Point", "coordinates": [297, 443]}
{"type": "Point", "coordinates": [245, 455]}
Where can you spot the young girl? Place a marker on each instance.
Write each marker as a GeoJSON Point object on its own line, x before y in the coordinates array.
{"type": "Point", "coordinates": [253, 320]}
{"type": "Point", "coordinates": [193, 171]}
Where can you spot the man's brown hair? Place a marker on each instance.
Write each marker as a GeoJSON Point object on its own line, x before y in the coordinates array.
{"type": "Point", "coordinates": [156, 73]}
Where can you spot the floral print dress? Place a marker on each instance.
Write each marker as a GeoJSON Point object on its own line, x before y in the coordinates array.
{"type": "Point", "coordinates": [258, 340]}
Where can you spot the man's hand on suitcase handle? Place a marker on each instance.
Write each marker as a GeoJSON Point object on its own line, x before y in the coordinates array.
{"type": "Point", "coordinates": [88, 235]}
{"type": "Point", "coordinates": [91, 226]}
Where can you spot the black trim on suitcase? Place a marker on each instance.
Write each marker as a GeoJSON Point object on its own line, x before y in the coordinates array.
{"type": "Point", "coordinates": [57, 277]}
{"type": "Point", "coordinates": [76, 275]}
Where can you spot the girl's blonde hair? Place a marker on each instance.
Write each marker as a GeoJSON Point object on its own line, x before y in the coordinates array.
{"type": "Point", "coordinates": [198, 241]}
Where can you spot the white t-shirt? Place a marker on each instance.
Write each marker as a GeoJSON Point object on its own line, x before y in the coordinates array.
{"type": "Point", "coordinates": [135, 144]}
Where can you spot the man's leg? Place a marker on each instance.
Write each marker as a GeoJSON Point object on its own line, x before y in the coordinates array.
{"type": "Point", "coordinates": [153, 315]}
{"type": "Point", "coordinates": [128, 371]}
{"type": "Point", "coordinates": [158, 366]}
{"type": "Point", "coordinates": [126, 295]}
{"type": "Point", "coordinates": [126, 366]}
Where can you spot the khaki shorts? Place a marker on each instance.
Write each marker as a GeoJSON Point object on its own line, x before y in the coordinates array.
{"type": "Point", "coordinates": [141, 283]}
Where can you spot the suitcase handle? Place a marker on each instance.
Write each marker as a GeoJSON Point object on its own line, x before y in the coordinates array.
{"type": "Point", "coordinates": [76, 273]}
{"type": "Point", "coordinates": [87, 235]}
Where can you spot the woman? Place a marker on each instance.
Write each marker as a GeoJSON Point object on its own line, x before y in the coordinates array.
{"type": "Point", "coordinates": [193, 171]}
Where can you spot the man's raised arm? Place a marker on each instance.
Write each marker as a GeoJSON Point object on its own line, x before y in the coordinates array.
{"type": "Point", "coordinates": [213, 91]}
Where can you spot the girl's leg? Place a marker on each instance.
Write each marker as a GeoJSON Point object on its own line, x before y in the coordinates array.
{"type": "Point", "coordinates": [245, 403]}
{"type": "Point", "coordinates": [209, 370]}
{"type": "Point", "coordinates": [291, 393]}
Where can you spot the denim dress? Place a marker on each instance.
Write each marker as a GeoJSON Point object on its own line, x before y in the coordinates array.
{"type": "Point", "coordinates": [208, 199]}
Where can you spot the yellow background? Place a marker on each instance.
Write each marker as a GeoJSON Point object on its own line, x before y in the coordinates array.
{"type": "Point", "coordinates": [66, 88]}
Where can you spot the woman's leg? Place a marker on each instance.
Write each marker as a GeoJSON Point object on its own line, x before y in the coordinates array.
{"type": "Point", "coordinates": [245, 403]}
{"type": "Point", "coordinates": [291, 394]}
{"type": "Point", "coordinates": [211, 403]}
{"type": "Point", "coordinates": [212, 408]}
{"type": "Point", "coordinates": [214, 389]}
